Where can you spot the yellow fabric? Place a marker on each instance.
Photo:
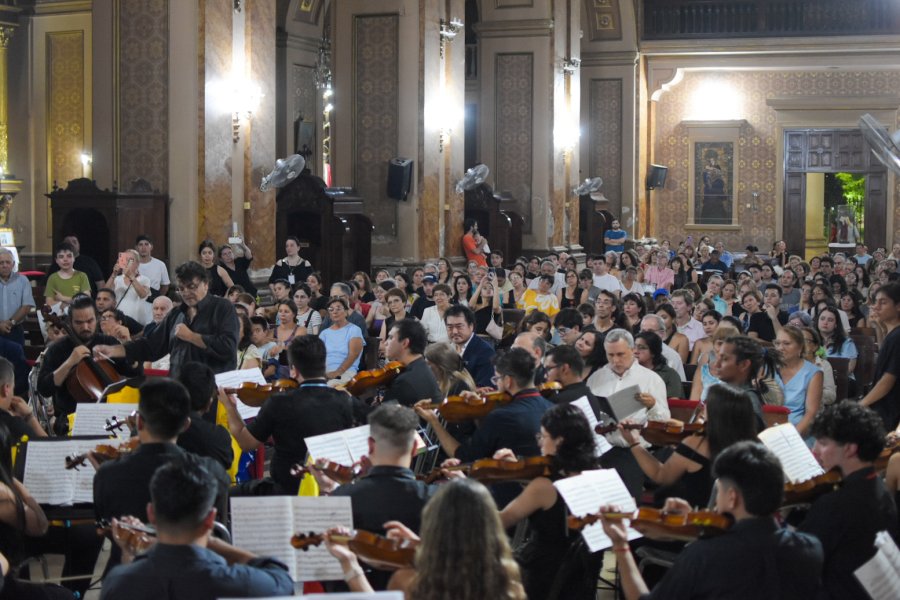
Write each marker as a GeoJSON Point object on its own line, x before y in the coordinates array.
{"type": "Point", "coordinates": [127, 395]}
{"type": "Point", "coordinates": [308, 486]}
{"type": "Point", "coordinates": [222, 419]}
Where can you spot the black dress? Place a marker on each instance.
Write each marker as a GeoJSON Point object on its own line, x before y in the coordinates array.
{"type": "Point", "coordinates": [567, 302]}
{"type": "Point", "coordinates": [216, 285]}
{"type": "Point", "coordinates": [240, 276]}
{"type": "Point", "coordinates": [694, 487]}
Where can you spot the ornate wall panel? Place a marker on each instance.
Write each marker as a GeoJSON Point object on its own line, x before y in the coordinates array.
{"type": "Point", "coordinates": [65, 106]}
{"type": "Point", "coordinates": [305, 97]}
{"type": "Point", "coordinates": [757, 148]}
{"type": "Point", "coordinates": [143, 92]}
{"type": "Point", "coordinates": [376, 118]}
{"type": "Point", "coordinates": [603, 20]}
{"type": "Point", "coordinates": [514, 135]}
{"type": "Point", "coordinates": [605, 112]}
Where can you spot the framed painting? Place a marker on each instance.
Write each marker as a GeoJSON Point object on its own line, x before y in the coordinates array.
{"type": "Point", "coordinates": [713, 173]}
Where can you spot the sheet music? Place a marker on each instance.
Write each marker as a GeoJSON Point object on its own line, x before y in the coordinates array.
{"type": "Point", "coordinates": [624, 404]}
{"type": "Point", "coordinates": [264, 525]}
{"type": "Point", "coordinates": [586, 493]}
{"type": "Point", "coordinates": [357, 441]}
{"type": "Point", "coordinates": [797, 460]}
{"type": "Point", "coordinates": [90, 419]}
{"type": "Point", "coordinates": [330, 446]}
{"type": "Point", "coordinates": [47, 478]}
{"type": "Point", "coordinates": [317, 514]}
{"type": "Point", "coordinates": [603, 446]}
{"type": "Point", "coordinates": [880, 576]}
{"type": "Point", "coordinates": [234, 379]}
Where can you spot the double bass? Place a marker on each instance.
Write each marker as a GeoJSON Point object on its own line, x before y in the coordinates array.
{"type": "Point", "coordinates": [87, 381]}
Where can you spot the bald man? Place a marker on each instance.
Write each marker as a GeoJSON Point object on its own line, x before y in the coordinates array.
{"type": "Point", "coordinates": [161, 307]}
{"type": "Point", "coordinates": [536, 346]}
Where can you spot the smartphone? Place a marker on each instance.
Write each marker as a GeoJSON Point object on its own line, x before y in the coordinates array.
{"type": "Point", "coordinates": [122, 262]}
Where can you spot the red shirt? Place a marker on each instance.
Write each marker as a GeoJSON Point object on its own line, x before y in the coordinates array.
{"type": "Point", "coordinates": [469, 245]}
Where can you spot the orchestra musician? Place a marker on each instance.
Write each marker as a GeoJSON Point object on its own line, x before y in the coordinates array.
{"type": "Point", "coordinates": [406, 343]}
{"type": "Point", "coordinates": [755, 558]}
{"type": "Point", "coordinates": [461, 516]}
{"type": "Point", "coordinates": [564, 365]}
{"type": "Point", "coordinates": [63, 356]}
{"type": "Point", "coordinates": [121, 486]}
{"type": "Point", "coordinates": [203, 436]}
{"type": "Point", "coordinates": [389, 491]}
{"type": "Point", "coordinates": [849, 437]}
{"type": "Point", "coordinates": [289, 417]}
{"type": "Point", "coordinates": [186, 561]}
{"type": "Point", "coordinates": [15, 412]}
{"type": "Point", "coordinates": [203, 328]}
{"type": "Point", "coordinates": [554, 561]}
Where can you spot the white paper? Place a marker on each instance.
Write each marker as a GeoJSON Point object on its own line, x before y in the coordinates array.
{"type": "Point", "coordinates": [603, 446]}
{"type": "Point", "coordinates": [47, 478]}
{"type": "Point", "coordinates": [264, 526]}
{"type": "Point", "coordinates": [880, 575]}
{"type": "Point", "coordinates": [797, 460]}
{"type": "Point", "coordinates": [90, 419]}
{"type": "Point", "coordinates": [234, 379]}
{"type": "Point", "coordinates": [330, 446]}
{"type": "Point", "coordinates": [624, 402]}
{"type": "Point", "coordinates": [584, 494]}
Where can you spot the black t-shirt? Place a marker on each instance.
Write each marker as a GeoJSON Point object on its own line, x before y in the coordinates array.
{"type": "Point", "coordinates": [240, 276]}
{"type": "Point", "coordinates": [207, 439]}
{"type": "Point", "coordinates": [762, 325]}
{"type": "Point", "coordinates": [416, 382]}
{"type": "Point", "coordinates": [889, 362]}
{"type": "Point", "coordinates": [419, 306]}
{"type": "Point", "coordinates": [291, 417]}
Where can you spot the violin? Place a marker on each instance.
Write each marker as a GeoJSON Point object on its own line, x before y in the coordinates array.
{"type": "Point", "coordinates": [657, 524]}
{"type": "Point", "coordinates": [340, 473]}
{"type": "Point", "coordinates": [891, 446]}
{"type": "Point", "coordinates": [377, 550]}
{"type": "Point", "coordinates": [456, 409]}
{"type": "Point", "coordinates": [87, 381]}
{"type": "Point", "coordinates": [113, 423]}
{"type": "Point", "coordinates": [254, 394]}
{"type": "Point", "coordinates": [657, 433]}
{"type": "Point", "coordinates": [808, 491]}
{"type": "Point", "coordinates": [137, 538]}
{"type": "Point", "coordinates": [491, 470]}
{"type": "Point", "coordinates": [102, 453]}
{"type": "Point", "coordinates": [373, 378]}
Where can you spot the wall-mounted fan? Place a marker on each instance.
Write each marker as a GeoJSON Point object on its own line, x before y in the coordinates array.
{"type": "Point", "coordinates": [473, 178]}
{"type": "Point", "coordinates": [588, 186]}
{"type": "Point", "coordinates": [886, 148]}
{"type": "Point", "coordinates": [285, 171]}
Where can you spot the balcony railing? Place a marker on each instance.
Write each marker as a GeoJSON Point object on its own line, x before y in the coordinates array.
{"type": "Point", "coordinates": [693, 19]}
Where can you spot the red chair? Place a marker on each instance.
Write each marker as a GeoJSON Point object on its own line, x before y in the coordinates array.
{"type": "Point", "coordinates": [775, 415]}
{"type": "Point", "coordinates": [682, 410]}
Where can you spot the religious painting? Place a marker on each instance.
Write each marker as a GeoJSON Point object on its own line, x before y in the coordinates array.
{"type": "Point", "coordinates": [713, 190]}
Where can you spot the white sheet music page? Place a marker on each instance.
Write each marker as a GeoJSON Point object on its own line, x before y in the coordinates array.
{"type": "Point", "coordinates": [797, 460]}
{"type": "Point", "coordinates": [603, 446]}
{"type": "Point", "coordinates": [880, 575]}
{"type": "Point", "coordinates": [318, 514]}
{"type": "Point", "coordinates": [234, 379]}
{"type": "Point", "coordinates": [625, 405]}
{"type": "Point", "coordinates": [264, 525]}
{"type": "Point", "coordinates": [90, 419]}
{"type": "Point", "coordinates": [357, 441]}
{"type": "Point", "coordinates": [330, 446]}
{"type": "Point", "coordinates": [47, 478]}
{"type": "Point", "coordinates": [584, 494]}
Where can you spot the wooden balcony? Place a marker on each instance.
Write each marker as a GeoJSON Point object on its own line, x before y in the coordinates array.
{"type": "Point", "coordinates": [718, 19]}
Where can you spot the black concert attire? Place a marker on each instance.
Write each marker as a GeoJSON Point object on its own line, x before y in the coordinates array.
{"type": "Point", "coordinates": [55, 355]}
{"type": "Point", "coordinates": [290, 417]}
{"type": "Point", "coordinates": [573, 392]}
{"type": "Point", "coordinates": [215, 320]}
{"type": "Point", "coordinates": [753, 559]}
{"type": "Point", "coordinates": [889, 362]}
{"type": "Point", "coordinates": [207, 439]}
{"type": "Point", "coordinates": [416, 382]}
{"type": "Point", "coordinates": [386, 494]}
{"type": "Point", "coordinates": [478, 359]}
{"type": "Point", "coordinates": [554, 559]}
{"type": "Point", "coordinates": [189, 571]}
{"type": "Point", "coordinates": [846, 521]}
{"type": "Point", "coordinates": [122, 486]}
{"type": "Point", "coordinates": [17, 426]}
{"type": "Point", "coordinates": [240, 276]}
{"type": "Point", "coordinates": [694, 487]}
{"type": "Point", "coordinates": [133, 326]}
{"type": "Point", "coordinates": [217, 285]}
{"type": "Point", "coordinates": [293, 275]}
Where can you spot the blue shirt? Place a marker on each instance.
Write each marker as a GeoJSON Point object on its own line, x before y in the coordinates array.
{"type": "Point", "coordinates": [795, 390]}
{"type": "Point", "coordinates": [619, 236]}
{"type": "Point", "coordinates": [337, 344]}
{"type": "Point", "coordinates": [14, 294]}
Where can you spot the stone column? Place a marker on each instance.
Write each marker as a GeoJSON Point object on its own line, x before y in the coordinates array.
{"type": "Point", "coordinates": [816, 244]}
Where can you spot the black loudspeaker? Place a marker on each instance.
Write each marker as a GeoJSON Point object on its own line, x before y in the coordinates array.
{"type": "Point", "coordinates": [657, 177]}
{"type": "Point", "coordinates": [399, 178]}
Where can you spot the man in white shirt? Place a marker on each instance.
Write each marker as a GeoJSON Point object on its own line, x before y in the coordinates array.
{"type": "Point", "coordinates": [548, 268]}
{"type": "Point", "coordinates": [152, 268]}
{"type": "Point", "coordinates": [655, 324]}
{"type": "Point", "coordinates": [623, 371]}
{"type": "Point", "coordinates": [602, 278]}
{"type": "Point", "coordinates": [683, 303]}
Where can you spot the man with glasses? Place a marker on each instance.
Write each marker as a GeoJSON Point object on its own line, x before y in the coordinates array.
{"type": "Point", "coordinates": [564, 365]}
{"type": "Point", "coordinates": [605, 309]}
{"type": "Point", "coordinates": [63, 356]}
{"type": "Point", "coordinates": [406, 343]}
{"type": "Point", "coordinates": [476, 353]}
{"type": "Point", "coordinates": [204, 328]}
{"type": "Point", "coordinates": [569, 324]}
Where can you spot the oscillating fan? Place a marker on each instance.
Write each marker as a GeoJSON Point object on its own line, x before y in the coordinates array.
{"type": "Point", "coordinates": [886, 148]}
{"type": "Point", "coordinates": [473, 178]}
{"type": "Point", "coordinates": [588, 186]}
{"type": "Point", "coordinates": [285, 171]}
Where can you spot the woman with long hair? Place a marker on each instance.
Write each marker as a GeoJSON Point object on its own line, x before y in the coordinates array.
{"type": "Point", "coordinates": [449, 369]}
{"type": "Point", "coordinates": [648, 352]}
{"type": "Point", "coordinates": [851, 303]}
{"type": "Point", "coordinates": [707, 373]}
{"type": "Point", "coordinates": [248, 356]}
{"type": "Point", "coordinates": [834, 337]}
{"type": "Point", "coordinates": [444, 271]}
{"type": "Point", "coordinates": [317, 299]}
{"type": "Point", "coordinates": [486, 305]}
{"type": "Point", "coordinates": [463, 551]}
{"type": "Point", "coordinates": [677, 341]}
{"type": "Point", "coordinates": [682, 275]}
{"type": "Point", "coordinates": [219, 281]}
{"type": "Point", "coordinates": [814, 352]}
{"type": "Point", "coordinates": [572, 294]}
{"type": "Point", "coordinates": [293, 268]}
{"type": "Point", "coordinates": [687, 472]}
{"type": "Point", "coordinates": [307, 317]}
{"type": "Point", "coordinates": [702, 347]}
{"type": "Point", "coordinates": [286, 330]}
{"type": "Point", "coordinates": [800, 379]}
{"type": "Point", "coordinates": [378, 310]}
{"type": "Point", "coordinates": [364, 284]}
{"type": "Point", "coordinates": [462, 289]}
{"type": "Point", "coordinates": [633, 310]}
{"type": "Point", "coordinates": [590, 347]}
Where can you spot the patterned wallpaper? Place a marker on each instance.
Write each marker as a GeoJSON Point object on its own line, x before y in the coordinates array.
{"type": "Point", "coordinates": [303, 84]}
{"type": "Point", "coordinates": [376, 117]}
{"type": "Point", "coordinates": [605, 122]}
{"type": "Point", "coordinates": [143, 92]}
{"type": "Point", "coordinates": [757, 147]}
{"type": "Point", "coordinates": [65, 114]}
{"type": "Point", "coordinates": [514, 129]}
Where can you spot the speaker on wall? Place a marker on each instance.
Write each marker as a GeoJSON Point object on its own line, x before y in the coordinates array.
{"type": "Point", "coordinates": [657, 177]}
{"type": "Point", "coordinates": [399, 178]}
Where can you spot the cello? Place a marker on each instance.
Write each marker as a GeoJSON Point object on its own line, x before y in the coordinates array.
{"type": "Point", "coordinates": [87, 381]}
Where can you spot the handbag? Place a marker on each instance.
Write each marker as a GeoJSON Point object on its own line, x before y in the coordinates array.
{"type": "Point", "coordinates": [494, 330]}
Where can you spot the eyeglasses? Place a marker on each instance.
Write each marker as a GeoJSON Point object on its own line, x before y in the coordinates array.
{"type": "Point", "coordinates": [336, 308]}
{"type": "Point", "coordinates": [496, 379]}
{"type": "Point", "coordinates": [563, 330]}
{"type": "Point", "coordinates": [549, 368]}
